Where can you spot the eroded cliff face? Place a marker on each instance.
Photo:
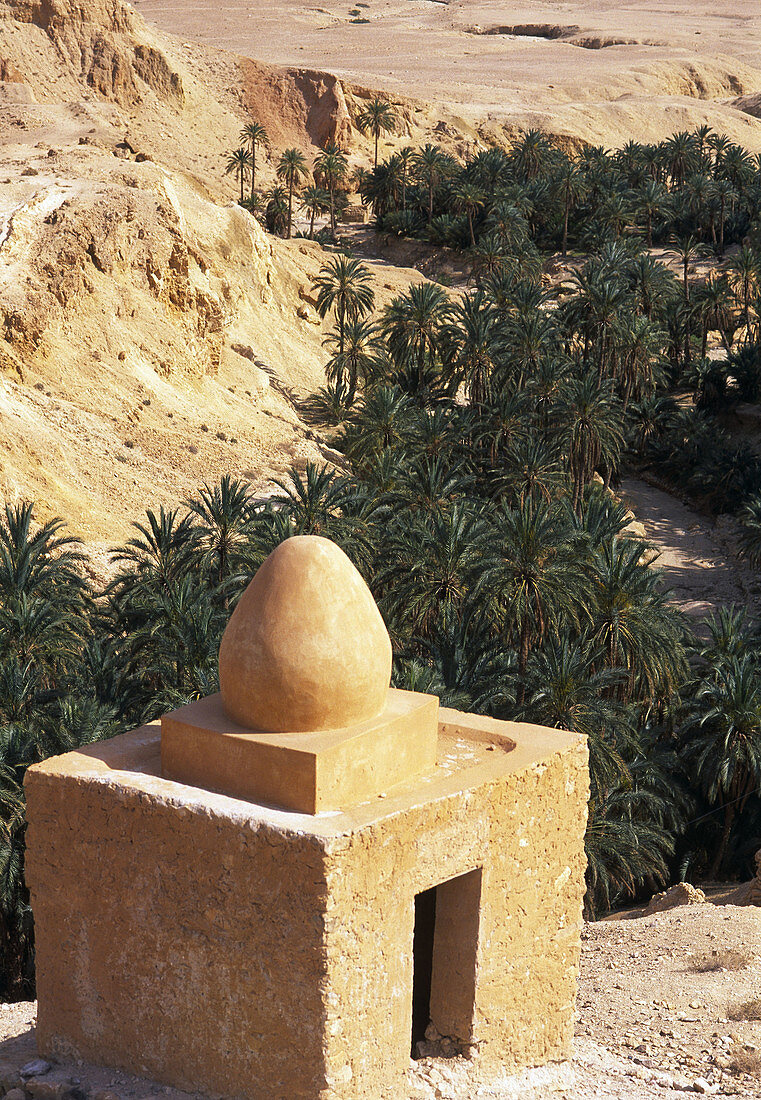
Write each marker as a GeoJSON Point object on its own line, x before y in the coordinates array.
{"type": "Point", "coordinates": [150, 339]}
{"type": "Point", "coordinates": [152, 336]}
{"type": "Point", "coordinates": [101, 44]}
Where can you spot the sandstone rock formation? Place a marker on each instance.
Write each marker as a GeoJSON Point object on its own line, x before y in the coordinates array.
{"type": "Point", "coordinates": [152, 336]}
{"type": "Point", "coordinates": [681, 894]}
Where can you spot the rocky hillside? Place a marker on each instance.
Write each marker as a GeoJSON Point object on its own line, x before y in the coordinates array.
{"type": "Point", "coordinates": [151, 335]}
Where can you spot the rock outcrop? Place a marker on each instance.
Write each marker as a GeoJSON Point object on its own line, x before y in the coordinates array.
{"type": "Point", "coordinates": [102, 43]}
{"type": "Point", "coordinates": [750, 892]}
{"type": "Point", "coordinates": [681, 894]}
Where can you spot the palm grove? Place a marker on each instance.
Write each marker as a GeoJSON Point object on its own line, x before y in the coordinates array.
{"type": "Point", "coordinates": [481, 434]}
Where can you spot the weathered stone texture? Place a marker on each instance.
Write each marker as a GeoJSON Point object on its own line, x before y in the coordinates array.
{"type": "Point", "coordinates": [525, 829]}
{"type": "Point", "coordinates": [225, 947]}
{"type": "Point", "coordinates": [178, 939]}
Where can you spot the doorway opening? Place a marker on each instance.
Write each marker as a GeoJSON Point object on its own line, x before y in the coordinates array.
{"type": "Point", "coordinates": [444, 951]}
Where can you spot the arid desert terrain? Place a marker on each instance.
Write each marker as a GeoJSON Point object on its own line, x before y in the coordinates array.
{"type": "Point", "coordinates": [603, 71]}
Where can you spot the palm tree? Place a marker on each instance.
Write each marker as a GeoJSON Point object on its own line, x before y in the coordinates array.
{"type": "Point", "coordinates": [687, 247]}
{"type": "Point", "coordinates": [680, 156]}
{"type": "Point", "coordinates": [531, 576]}
{"type": "Point", "coordinates": [44, 597]}
{"type": "Point", "coordinates": [330, 168]}
{"type": "Point", "coordinates": [276, 210]}
{"type": "Point", "coordinates": [653, 285]}
{"type": "Point", "coordinates": [254, 134]}
{"type": "Point", "coordinates": [378, 118]}
{"type": "Point", "coordinates": [531, 154]}
{"type": "Point", "coordinates": [595, 311]}
{"type": "Point", "coordinates": [633, 623]}
{"type": "Point", "coordinates": [626, 847]}
{"type": "Point", "coordinates": [315, 201]}
{"type": "Point", "coordinates": [532, 471]}
{"type": "Point", "coordinates": [414, 328]}
{"type": "Point", "coordinates": [344, 285]}
{"type": "Point", "coordinates": [159, 554]}
{"type": "Point", "coordinates": [405, 157]}
{"type": "Point", "coordinates": [432, 562]}
{"type": "Point", "coordinates": [291, 168]}
{"type": "Point", "coordinates": [239, 165]}
{"type": "Point", "coordinates": [474, 341]}
{"type": "Point", "coordinates": [356, 357]}
{"type": "Point", "coordinates": [469, 199]}
{"type": "Point", "coordinates": [431, 166]}
{"type": "Point", "coordinates": [225, 526]}
{"type": "Point", "coordinates": [593, 433]}
{"type": "Point", "coordinates": [724, 193]}
{"type": "Point", "coordinates": [722, 742]}
{"type": "Point", "coordinates": [640, 359]}
{"type": "Point", "coordinates": [567, 688]}
{"type": "Point", "coordinates": [712, 303]}
{"type": "Point", "coordinates": [750, 534]}
{"type": "Point", "coordinates": [570, 185]}
{"type": "Point", "coordinates": [745, 275]}
{"type": "Point", "coordinates": [382, 423]}
{"type": "Point", "coordinates": [651, 203]}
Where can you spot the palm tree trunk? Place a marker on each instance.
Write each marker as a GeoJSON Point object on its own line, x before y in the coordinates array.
{"type": "Point", "coordinates": [430, 200]}
{"type": "Point", "coordinates": [565, 222]}
{"type": "Point", "coordinates": [687, 356]}
{"type": "Point", "coordinates": [470, 227]}
{"type": "Point", "coordinates": [253, 170]}
{"type": "Point", "coordinates": [290, 205]}
{"type": "Point", "coordinates": [332, 211]}
{"type": "Point", "coordinates": [311, 225]}
{"type": "Point", "coordinates": [523, 661]}
{"type": "Point", "coordinates": [377, 133]}
{"type": "Point", "coordinates": [241, 185]}
{"type": "Point", "coordinates": [721, 851]}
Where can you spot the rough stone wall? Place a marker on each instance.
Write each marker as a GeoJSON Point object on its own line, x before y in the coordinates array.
{"type": "Point", "coordinates": [526, 830]}
{"type": "Point", "coordinates": [227, 948]}
{"type": "Point", "coordinates": [175, 941]}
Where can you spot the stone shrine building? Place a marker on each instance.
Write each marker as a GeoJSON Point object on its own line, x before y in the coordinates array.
{"type": "Point", "coordinates": [275, 892]}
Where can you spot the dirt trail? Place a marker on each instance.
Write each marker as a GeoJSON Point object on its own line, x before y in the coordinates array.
{"type": "Point", "coordinates": [697, 562]}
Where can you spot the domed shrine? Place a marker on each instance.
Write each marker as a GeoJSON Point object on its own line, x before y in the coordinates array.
{"type": "Point", "coordinates": [285, 889]}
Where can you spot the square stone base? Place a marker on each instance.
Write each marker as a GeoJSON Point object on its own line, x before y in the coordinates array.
{"type": "Point", "coordinates": [244, 952]}
{"type": "Point", "coordinates": [307, 772]}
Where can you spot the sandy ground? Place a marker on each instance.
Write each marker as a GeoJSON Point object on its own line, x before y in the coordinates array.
{"type": "Point", "coordinates": [695, 553]}
{"type": "Point", "coordinates": [600, 69]}
{"type": "Point", "coordinates": [653, 1021]}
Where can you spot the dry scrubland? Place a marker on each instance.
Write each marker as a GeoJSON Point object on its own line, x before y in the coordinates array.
{"type": "Point", "coordinates": [603, 72]}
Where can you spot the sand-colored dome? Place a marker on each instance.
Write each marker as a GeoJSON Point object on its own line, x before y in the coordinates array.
{"type": "Point", "coordinates": [306, 647]}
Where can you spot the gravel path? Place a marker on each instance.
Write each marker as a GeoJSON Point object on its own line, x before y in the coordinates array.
{"type": "Point", "coordinates": [695, 554]}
